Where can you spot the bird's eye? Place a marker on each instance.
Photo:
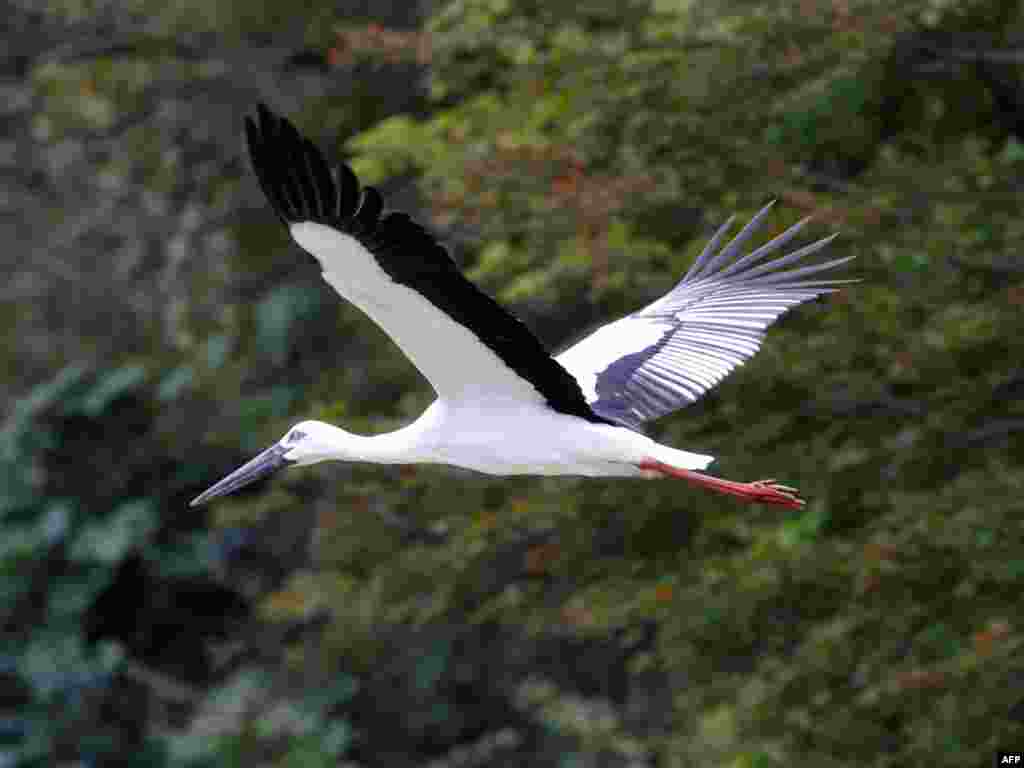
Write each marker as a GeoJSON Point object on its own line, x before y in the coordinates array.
{"type": "Point", "coordinates": [294, 436]}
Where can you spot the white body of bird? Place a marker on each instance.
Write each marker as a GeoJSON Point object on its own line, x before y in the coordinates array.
{"type": "Point", "coordinates": [495, 438]}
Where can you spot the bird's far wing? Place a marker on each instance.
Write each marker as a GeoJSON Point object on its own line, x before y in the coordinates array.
{"type": "Point", "coordinates": [460, 339]}
{"type": "Point", "coordinates": [672, 351]}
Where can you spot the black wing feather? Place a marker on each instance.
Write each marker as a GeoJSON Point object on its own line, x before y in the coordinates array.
{"type": "Point", "coordinates": [301, 187]}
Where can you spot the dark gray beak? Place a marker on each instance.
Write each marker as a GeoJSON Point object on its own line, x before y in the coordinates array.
{"type": "Point", "coordinates": [266, 463]}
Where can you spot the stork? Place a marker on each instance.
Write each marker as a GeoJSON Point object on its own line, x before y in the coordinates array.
{"type": "Point", "coordinates": [504, 405]}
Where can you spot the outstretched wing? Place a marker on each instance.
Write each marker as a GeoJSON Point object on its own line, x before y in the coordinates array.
{"type": "Point", "coordinates": [463, 342]}
{"type": "Point", "coordinates": [672, 351]}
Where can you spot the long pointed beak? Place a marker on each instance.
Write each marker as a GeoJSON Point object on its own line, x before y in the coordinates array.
{"type": "Point", "coordinates": [264, 464]}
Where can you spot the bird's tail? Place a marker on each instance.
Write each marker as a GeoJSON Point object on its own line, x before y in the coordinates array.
{"type": "Point", "coordinates": [680, 459]}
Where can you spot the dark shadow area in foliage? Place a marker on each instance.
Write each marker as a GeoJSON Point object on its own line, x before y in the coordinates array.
{"type": "Point", "coordinates": [166, 623]}
{"type": "Point", "coordinates": [435, 688]}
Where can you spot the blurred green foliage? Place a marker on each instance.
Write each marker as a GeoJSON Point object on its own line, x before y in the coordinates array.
{"type": "Point", "coordinates": [50, 656]}
{"type": "Point", "coordinates": [592, 147]}
{"type": "Point", "coordinates": [866, 624]}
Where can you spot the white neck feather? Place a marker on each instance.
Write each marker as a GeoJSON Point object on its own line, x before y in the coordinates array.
{"type": "Point", "coordinates": [398, 447]}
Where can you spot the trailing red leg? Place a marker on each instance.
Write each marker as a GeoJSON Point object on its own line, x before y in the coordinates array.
{"type": "Point", "coordinates": [761, 491]}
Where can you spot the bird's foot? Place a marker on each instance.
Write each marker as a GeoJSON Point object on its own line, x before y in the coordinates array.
{"type": "Point", "coordinates": [770, 492]}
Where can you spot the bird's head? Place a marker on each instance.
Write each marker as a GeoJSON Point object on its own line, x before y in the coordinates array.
{"type": "Point", "coordinates": [308, 442]}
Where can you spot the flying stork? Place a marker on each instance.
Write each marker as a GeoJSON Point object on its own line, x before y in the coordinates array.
{"type": "Point", "coordinates": [504, 405]}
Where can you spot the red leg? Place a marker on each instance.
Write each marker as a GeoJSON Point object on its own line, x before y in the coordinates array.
{"type": "Point", "coordinates": [762, 491]}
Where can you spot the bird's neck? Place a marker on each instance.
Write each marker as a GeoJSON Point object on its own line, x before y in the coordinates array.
{"type": "Point", "coordinates": [398, 447]}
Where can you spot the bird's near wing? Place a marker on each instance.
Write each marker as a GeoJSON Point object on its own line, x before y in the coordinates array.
{"type": "Point", "coordinates": [460, 339]}
{"type": "Point", "coordinates": [672, 351]}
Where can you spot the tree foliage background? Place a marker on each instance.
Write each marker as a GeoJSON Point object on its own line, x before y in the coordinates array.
{"type": "Point", "coordinates": [159, 329]}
